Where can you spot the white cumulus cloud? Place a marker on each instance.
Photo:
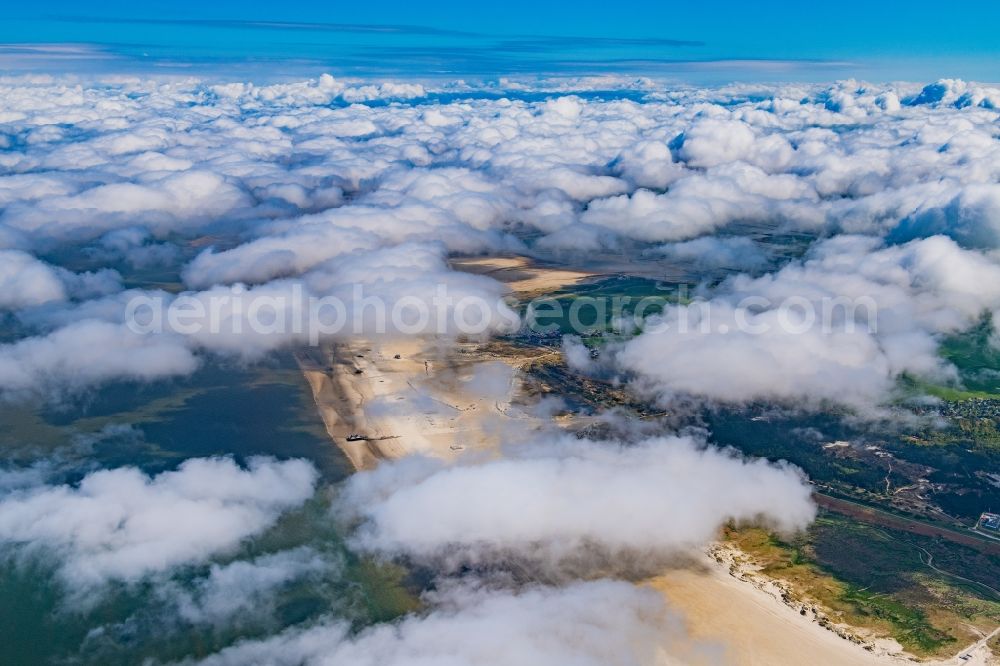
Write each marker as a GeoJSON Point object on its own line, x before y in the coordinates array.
{"type": "Point", "coordinates": [121, 524]}
{"type": "Point", "coordinates": [553, 499]}
{"type": "Point", "coordinates": [601, 623]}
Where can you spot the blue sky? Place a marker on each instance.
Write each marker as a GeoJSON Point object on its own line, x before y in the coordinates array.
{"type": "Point", "coordinates": [918, 40]}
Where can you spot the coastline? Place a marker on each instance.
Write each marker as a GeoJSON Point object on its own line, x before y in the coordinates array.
{"type": "Point", "coordinates": [402, 396]}
{"type": "Point", "coordinates": [728, 601]}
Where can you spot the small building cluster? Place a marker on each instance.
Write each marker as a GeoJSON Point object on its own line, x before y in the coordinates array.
{"type": "Point", "coordinates": [989, 521]}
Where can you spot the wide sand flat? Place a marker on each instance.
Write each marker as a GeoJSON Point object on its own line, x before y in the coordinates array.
{"type": "Point", "coordinates": [521, 274]}
{"type": "Point", "coordinates": [411, 395]}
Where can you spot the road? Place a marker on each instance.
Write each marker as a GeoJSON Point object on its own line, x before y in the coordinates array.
{"type": "Point", "coordinates": [871, 515]}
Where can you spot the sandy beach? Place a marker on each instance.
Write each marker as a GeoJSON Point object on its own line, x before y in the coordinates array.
{"type": "Point", "coordinates": [387, 399]}
{"type": "Point", "coordinates": [729, 605]}
{"type": "Point", "coordinates": [394, 397]}
{"type": "Point", "coordinates": [755, 628]}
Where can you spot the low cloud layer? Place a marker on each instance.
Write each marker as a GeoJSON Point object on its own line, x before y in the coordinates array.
{"type": "Point", "coordinates": [122, 525]}
{"type": "Point", "coordinates": [184, 195]}
{"type": "Point", "coordinates": [553, 500]}
{"type": "Point", "coordinates": [710, 253]}
{"type": "Point", "coordinates": [26, 281]}
{"type": "Point", "coordinates": [323, 184]}
{"type": "Point", "coordinates": [183, 156]}
{"type": "Point", "coordinates": [146, 335]}
{"type": "Point", "coordinates": [842, 325]}
{"type": "Point", "coordinates": [234, 592]}
{"type": "Point", "coordinates": [601, 623]}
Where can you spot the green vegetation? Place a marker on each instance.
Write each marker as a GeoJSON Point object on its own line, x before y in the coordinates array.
{"type": "Point", "coordinates": [911, 387]}
{"type": "Point", "coordinates": [879, 579]}
{"type": "Point", "coordinates": [599, 306]}
{"type": "Point", "coordinates": [909, 625]}
{"type": "Point", "coordinates": [383, 589]}
{"type": "Point", "coordinates": [960, 458]}
{"type": "Point", "coordinates": [984, 432]}
{"type": "Point", "coordinates": [793, 437]}
{"type": "Point", "coordinates": [976, 354]}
